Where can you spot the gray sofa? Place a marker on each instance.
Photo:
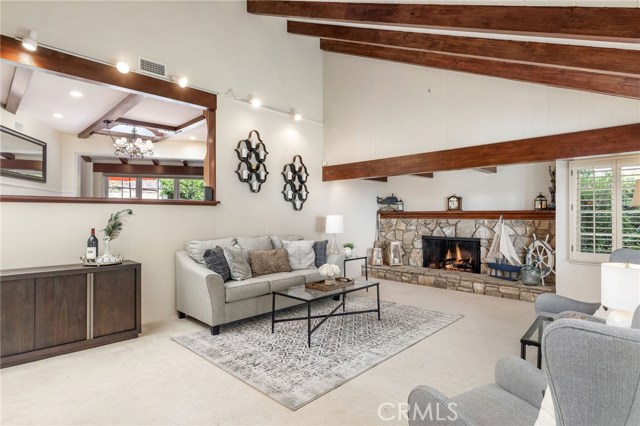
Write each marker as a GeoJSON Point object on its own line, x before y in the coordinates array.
{"type": "Point", "coordinates": [592, 369]}
{"type": "Point", "coordinates": [203, 295]}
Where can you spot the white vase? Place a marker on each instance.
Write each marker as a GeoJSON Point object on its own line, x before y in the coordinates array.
{"type": "Point", "coordinates": [347, 251]}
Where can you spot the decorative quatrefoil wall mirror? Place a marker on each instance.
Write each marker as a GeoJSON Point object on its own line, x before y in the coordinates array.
{"type": "Point", "coordinates": [295, 183]}
{"type": "Point", "coordinates": [252, 154]}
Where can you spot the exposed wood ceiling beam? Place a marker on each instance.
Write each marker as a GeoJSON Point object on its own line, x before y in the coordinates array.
{"type": "Point", "coordinates": [486, 169]}
{"type": "Point", "coordinates": [86, 158]}
{"type": "Point", "coordinates": [566, 78]}
{"type": "Point", "coordinates": [17, 89]}
{"type": "Point", "coordinates": [20, 164]}
{"type": "Point", "coordinates": [8, 155]}
{"type": "Point", "coordinates": [60, 63]}
{"type": "Point", "coordinates": [377, 179]}
{"type": "Point", "coordinates": [424, 175]}
{"type": "Point", "coordinates": [125, 135]}
{"type": "Point", "coordinates": [610, 140]}
{"type": "Point", "coordinates": [146, 124]}
{"type": "Point", "coordinates": [190, 123]}
{"type": "Point", "coordinates": [616, 61]}
{"type": "Point", "coordinates": [113, 115]}
{"type": "Point", "coordinates": [148, 169]}
{"type": "Point", "coordinates": [597, 23]}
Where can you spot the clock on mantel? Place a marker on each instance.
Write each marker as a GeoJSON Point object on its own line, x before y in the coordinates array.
{"type": "Point", "coordinates": [454, 203]}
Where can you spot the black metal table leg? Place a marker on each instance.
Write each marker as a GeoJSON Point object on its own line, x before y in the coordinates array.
{"type": "Point", "coordinates": [308, 325]}
{"type": "Point", "coordinates": [378, 297]}
{"type": "Point", "coordinates": [539, 357]}
{"type": "Point", "coordinates": [344, 301]}
{"type": "Point", "coordinates": [523, 351]}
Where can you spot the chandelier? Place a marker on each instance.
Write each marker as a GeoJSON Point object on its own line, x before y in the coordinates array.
{"type": "Point", "coordinates": [131, 145]}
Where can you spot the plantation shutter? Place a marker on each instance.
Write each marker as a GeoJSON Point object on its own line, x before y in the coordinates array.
{"type": "Point", "coordinates": [630, 216]}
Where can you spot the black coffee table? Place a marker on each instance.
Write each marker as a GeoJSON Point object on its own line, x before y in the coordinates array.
{"type": "Point", "coordinates": [533, 337]}
{"type": "Point", "coordinates": [310, 296]}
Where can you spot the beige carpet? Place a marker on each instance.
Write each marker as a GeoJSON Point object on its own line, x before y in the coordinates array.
{"type": "Point", "coordinates": [153, 381]}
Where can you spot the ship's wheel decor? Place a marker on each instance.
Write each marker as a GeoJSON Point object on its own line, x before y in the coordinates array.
{"type": "Point", "coordinates": [295, 183]}
{"type": "Point", "coordinates": [542, 256]}
{"type": "Point", "coordinates": [252, 154]}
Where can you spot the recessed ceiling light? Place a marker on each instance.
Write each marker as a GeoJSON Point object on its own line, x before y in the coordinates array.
{"type": "Point", "coordinates": [123, 67]}
{"type": "Point", "coordinates": [76, 94]}
{"type": "Point", "coordinates": [29, 42]}
{"type": "Point", "coordinates": [193, 138]}
{"type": "Point", "coordinates": [57, 115]}
{"type": "Point", "coordinates": [255, 102]}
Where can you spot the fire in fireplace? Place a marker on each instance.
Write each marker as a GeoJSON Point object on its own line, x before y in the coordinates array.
{"type": "Point", "coordinates": [455, 254]}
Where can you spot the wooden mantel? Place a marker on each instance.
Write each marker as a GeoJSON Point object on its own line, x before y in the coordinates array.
{"type": "Point", "coordinates": [476, 214]}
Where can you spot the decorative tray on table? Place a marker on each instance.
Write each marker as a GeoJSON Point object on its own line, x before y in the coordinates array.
{"type": "Point", "coordinates": [340, 282]}
{"type": "Point", "coordinates": [102, 261]}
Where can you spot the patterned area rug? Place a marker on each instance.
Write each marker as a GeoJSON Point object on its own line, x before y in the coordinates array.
{"type": "Point", "coordinates": [281, 366]}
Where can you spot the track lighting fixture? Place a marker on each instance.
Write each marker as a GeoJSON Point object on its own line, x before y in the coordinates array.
{"type": "Point", "coordinates": [296, 115]}
{"type": "Point", "coordinates": [29, 42]}
{"type": "Point", "coordinates": [255, 102]}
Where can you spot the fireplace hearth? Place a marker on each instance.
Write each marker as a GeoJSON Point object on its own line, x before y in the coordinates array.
{"type": "Point", "coordinates": [455, 254]}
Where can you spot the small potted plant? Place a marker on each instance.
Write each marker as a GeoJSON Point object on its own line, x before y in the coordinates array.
{"type": "Point", "coordinates": [348, 249]}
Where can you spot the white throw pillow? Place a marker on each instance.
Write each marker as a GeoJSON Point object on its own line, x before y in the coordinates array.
{"type": "Point", "coordinates": [301, 254]}
{"type": "Point", "coordinates": [547, 414]}
{"type": "Point", "coordinates": [238, 265]}
{"type": "Point", "coordinates": [196, 248]}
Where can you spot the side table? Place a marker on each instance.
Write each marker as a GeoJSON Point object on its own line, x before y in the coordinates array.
{"type": "Point", "coordinates": [349, 259]}
{"type": "Point", "coordinates": [533, 337]}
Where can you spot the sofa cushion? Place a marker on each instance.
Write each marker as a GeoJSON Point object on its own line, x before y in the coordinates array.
{"type": "Point", "coordinates": [265, 262]}
{"type": "Point", "coordinates": [490, 404]}
{"type": "Point", "coordinates": [215, 260]}
{"type": "Point", "coordinates": [196, 248]}
{"type": "Point", "coordinates": [301, 255]}
{"type": "Point", "coordinates": [320, 250]}
{"type": "Point", "coordinates": [284, 280]}
{"type": "Point", "coordinates": [240, 269]}
{"type": "Point", "coordinates": [246, 289]}
{"type": "Point", "coordinates": [276, 240]}
{"type": "Point", "coordinates": [255, 243]}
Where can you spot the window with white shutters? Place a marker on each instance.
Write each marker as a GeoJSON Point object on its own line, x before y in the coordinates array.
{"type": "Point", "coordinates": [601, 218]}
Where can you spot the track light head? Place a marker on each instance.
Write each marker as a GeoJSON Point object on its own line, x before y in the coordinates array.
{"type": "Point", "coordinates": [29, 42]}
{"type": "Point", "coordinates": [296, 115]}
{"type": "Point", "coordinates": [255, 102]}
{"type": "Point", "coordinates": [180, 81]}
{"type": "Point", "coordinates": [123, 67]}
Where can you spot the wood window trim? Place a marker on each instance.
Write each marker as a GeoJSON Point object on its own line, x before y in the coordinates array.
{"type": "Point", "coordinates": [78, 68]}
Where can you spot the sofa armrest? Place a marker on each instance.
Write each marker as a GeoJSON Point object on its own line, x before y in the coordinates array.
{"type": "Point", "coordinates": [554, 304]}
{"type": "Point", "coordinates": [522, 379]}
{"type": "Point", "coordinates": [200, 292]}
{"type": "Point", "coordinates": [429, 407]}
{"type": "Point", "coordinates": [580, 316]}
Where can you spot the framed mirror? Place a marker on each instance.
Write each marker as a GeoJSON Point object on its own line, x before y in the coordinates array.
{"type": "Point", "coordinates": [21, 156]}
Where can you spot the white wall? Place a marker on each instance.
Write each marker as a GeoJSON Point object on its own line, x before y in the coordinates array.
{"type": "Point", "coordinates": [42, 132]}
{"type": "Point", "coordinates": [376, 109]}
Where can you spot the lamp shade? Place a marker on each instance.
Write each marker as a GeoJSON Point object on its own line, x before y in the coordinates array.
{"type": "Point", "coordinates": [334, 224]}
{"type": "Point", "coordinates": [635, 201]}
{"type": "Point", "coordinates": [620, 286]}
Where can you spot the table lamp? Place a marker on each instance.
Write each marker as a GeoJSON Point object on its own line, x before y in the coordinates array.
{"type": "Point", "coordinates": [334, 225]}
{"type": "Point", "coordinates": [620, 291]}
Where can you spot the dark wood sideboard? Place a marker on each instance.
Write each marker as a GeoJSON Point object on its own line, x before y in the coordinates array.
{"type": "Point", "coordinates": [53, 310]}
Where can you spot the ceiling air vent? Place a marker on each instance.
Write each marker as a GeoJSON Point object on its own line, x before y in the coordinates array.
{"type": "Point", "coordinates": [153, 68]}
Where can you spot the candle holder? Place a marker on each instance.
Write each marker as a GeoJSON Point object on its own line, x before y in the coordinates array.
{"type": "Point", "coordinates": [252, 154]}
{"type": "Point", "coordinates": [295, 183]}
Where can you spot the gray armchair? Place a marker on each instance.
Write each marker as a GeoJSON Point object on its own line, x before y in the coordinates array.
{"type": "Point", "coordinates": [556, 306]}
{"type": "Point", "coordinates": [593, 372]}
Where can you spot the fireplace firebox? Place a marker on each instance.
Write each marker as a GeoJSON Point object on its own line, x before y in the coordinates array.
{"type": "Point", "coordinates": [455, 254]}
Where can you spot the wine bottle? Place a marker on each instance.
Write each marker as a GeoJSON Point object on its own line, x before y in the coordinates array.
{"type": "Point", "coordinates": [92, 246]}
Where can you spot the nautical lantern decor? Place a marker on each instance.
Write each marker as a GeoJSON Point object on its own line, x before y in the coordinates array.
{"type": "Point", "coordinates": [540, 202]}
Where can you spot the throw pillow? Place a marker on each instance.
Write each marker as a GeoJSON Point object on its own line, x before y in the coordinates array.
{"type": "Point", "coordinates": [264, 262]}
{"type": "Point", "coordinates": [240, 269]}
{"type": "Point", "coordinates": [301, 255]}
{"type": "Point", "coordinates": [196, 248]}
{"type": "Point", "coordinates": [215, 260]}
{"type": "Point", "coordinates": [547, 414]}
{"type": "Point", "coordinates": [276, 240]}
{"type": "Point", "coordinates": [320, 250]}
{"type": "Point", "coordinates": [255, 243]}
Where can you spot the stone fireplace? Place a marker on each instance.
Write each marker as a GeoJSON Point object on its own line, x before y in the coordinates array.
{"type": "Point", "coordinates": [453, 254]}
